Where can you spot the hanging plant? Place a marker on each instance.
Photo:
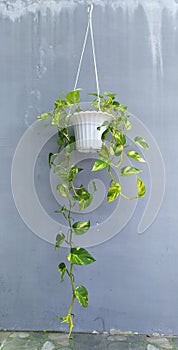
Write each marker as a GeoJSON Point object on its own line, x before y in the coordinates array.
{"type": "Point", "coordinates": [113, 149]}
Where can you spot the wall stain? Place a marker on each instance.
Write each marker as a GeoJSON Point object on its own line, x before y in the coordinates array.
{"type": "Point", "coordinates": [153, 10]}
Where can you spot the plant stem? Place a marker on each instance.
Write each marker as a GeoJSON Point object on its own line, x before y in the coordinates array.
{"type": "Point", "coordinates": [73, 188]}
{"type": "Point", "coordinates": [126, 197]}
{"type": "Point", "coordinates": [71, 276]}
{"type": "Point", "coordinates": [110, 173]}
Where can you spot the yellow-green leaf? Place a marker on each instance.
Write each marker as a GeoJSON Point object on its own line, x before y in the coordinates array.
{"type": "Point", "coordinates": [141, 142]}
{"type": "Point", "coordinates": [81, 294]}
{"type": "Point", "coordinates": [110, 95]}
{"type": "Point", "coordinates": [62, 210]}
{"type": "Point", "coordinates": [80, 256]}
{"type": "Point", "coordinates": [73, 171]}
{"type": "Point", "coordinates": [116, 149]}
{"type": "Point", "coordinates": [59, 240]}
{"type": "Point", "coordinates": [127, 124]}
{"type": "Point", "coordinates": [99, 165]}
{"type": "Point", "coordinates": [81, 227]}
{"type": "Point", "coordinates": [55, 120]}
{"type": "Point", "coordinates": [136, 156]}
{"type": "Point", "coordinates": [121, 139]}
{"type": "Point", "coordinates": [84, 203]}
{"type": "Point", "coordinates": [113, 192]}
{"type": "Point", "coordinates": [104, 154]}
{"type": "Point", "coordinates": [128, 170]}
{"type": "Point", "coordinates": [140, 187]}
{"type": "Point", "coordinates": [73, 97]}
{"type": "Point", "coordinates": [63, 190]}
{"type": "Point", "coordinates": [62, 269]}
{"type": "Point", "coordinates": [44, 116]}
{"type": "Point", "coordinates": [84, 197]}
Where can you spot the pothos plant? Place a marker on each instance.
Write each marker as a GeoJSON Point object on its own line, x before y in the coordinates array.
{"type": "Point", "coordinates": [115, 149]}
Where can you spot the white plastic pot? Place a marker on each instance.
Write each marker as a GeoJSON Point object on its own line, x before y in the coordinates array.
{"type": "Point", "coordinates": [88, 138]}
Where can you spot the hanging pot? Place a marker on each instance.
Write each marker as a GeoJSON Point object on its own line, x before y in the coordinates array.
{"type": "Point", "coordinates": [87, 136]}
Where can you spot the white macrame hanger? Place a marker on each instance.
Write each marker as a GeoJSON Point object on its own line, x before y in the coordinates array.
{"type": "Point", "coordinates": [89, 26]}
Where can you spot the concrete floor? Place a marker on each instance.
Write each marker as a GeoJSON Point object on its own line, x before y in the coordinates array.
{"type": "Point", "coordinates": [107, 341]}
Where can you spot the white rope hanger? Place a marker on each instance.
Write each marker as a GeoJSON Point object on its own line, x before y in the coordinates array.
{"type": "Point", "coordinates": [89, 26]}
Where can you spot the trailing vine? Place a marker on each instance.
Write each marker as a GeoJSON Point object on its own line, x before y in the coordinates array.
{"type": "Point", "coordinates": [115, 149]}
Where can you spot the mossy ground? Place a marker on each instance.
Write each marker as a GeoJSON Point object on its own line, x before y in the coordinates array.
{"type": "Point", "coordinates": [107, 341]}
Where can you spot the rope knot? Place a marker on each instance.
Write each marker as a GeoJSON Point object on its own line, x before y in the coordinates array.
{"type": "Point", "coordinates": [90, 10]}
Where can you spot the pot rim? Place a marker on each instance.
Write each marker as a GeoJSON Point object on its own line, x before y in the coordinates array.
{"type": "Point", "coordinates": [93, 112]}
{"type": "Point", "coordinates": [88, 117]}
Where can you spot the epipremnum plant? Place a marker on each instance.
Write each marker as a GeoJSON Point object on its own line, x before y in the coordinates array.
{"type": "Point", "coordinates": [115, 149]}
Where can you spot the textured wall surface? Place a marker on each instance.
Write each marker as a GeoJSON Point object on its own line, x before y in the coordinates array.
{"type": "Point", "coordinates": [133, 284]}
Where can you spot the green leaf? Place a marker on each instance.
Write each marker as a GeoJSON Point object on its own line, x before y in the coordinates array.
{"type": "Point", "coordinates": [113, 192]}
{"type": "Point", "coordinates": [111, 150]}
{"type": "Point", "coordinates": [141, 142]}
{"type": "Point", "coordinates": [62, 269]}
{"type": "Point", "coordinates": [110, 95]}
{"type": "Point", "coordinates": [50, 159]}
{"type": "Point", "coordinates": [59, 240]}
{"type": "Point", "coordinates": [104, 134]}
{"type": "Point", "coordinates": [135, 155]}
{"type": "Point", "coordinates": [99, 165]}
{"type": "Point", "coordinates": [104, 154]}
{"type": "Point", "coordinates": [73, 97]}
{"type": "Point", "coordinates": [69, 148]}
{"type": "Point", "coordinates": [63, 190]}
{"type": "Point", "coordinates": [71, 139]}
{"type": "Point", "coordinates": [84, 197]}
{"type": "Point", "coordinates": [116, 149]}
{"type": "Point", "coordinates": [127, 170]}
{"type": "Point", "coordinates": [140, 187]}
{"type": "Point", "coordinates": [116, 104]}
{"type": "Point", "coordinates": [73, 171]}
{"type": "Point", "coordinates": [82, 193]}
{"type": "Point", "coordinates": [60, 141]}
{"type": "Point", "coordinates": [80, 227]}
{"type": "Point", "coordinates": [55, 120]}
{"type": "Point", "coordinates": [123, 108]}
{"type": "Point", "coordinates": [60, 103]}
{"type": "Point", "coordinates": [62, 210]}
{"type": "Point", "coordinates": [61, 171]}
{"type": "Point", "coordinates": [84, 203]}
{"type": "Point", "coordinates": [119, 137]}
{"type": "Point", "coordinates": [81, 294]}
{"type": "Point", "coordinates": [44, 116]}
{"type": "Point", "coordinates": [80, 256]}
{"type": "Point", "coordinates": [127, 124]}
{"type": "Point", "coordinates": [63, 137]}
{"type": "Point", "coordinates": [96, 95]}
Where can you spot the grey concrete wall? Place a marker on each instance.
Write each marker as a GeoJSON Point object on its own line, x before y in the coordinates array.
{"type": "Point", "coordinates": [133, 284]}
